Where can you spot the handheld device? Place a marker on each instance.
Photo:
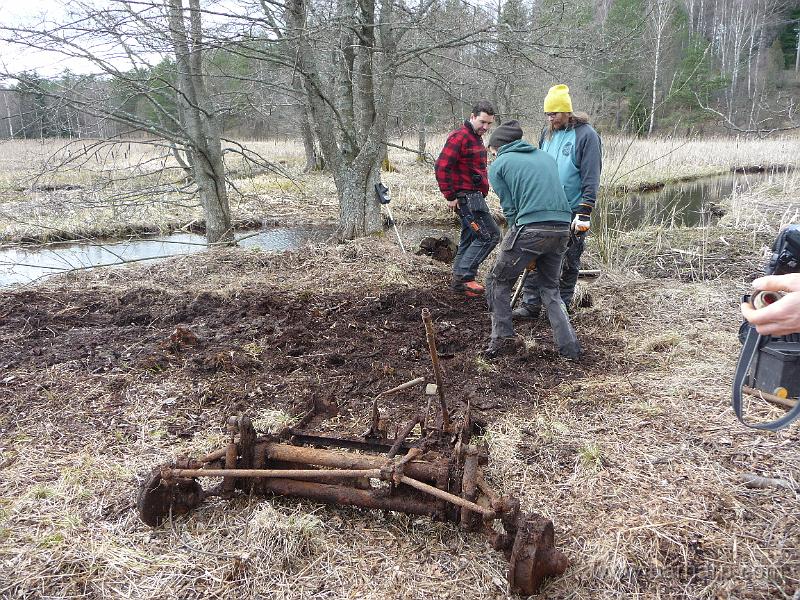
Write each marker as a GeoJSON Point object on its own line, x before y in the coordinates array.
{"type": "Point", "coordinates": [384, 197]}
{"type": "Point", "coordinates": [769, 366]}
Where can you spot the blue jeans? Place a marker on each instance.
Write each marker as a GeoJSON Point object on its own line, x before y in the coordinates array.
{"type": "Point", "coordinates": [547, 244]}
{"type": "Point", "coordinates": [569, 273]}
{"type": "Point", "coordinates": [472, 250]}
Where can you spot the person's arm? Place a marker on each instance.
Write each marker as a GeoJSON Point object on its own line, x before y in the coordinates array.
{"type": "Point", "coordinates": [448, 158]}
{"type": "Point", "coordinates": [501, 189]}
{"type": "Point", "coordinates": [588, 154]}
{"type": "Point", "coordinates": [781, 317]}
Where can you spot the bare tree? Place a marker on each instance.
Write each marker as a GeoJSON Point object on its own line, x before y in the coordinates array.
{"type": "Point", "coordinates": [124, 41]}
{"type": "Point", "coordinates": [203, 143]}
{"type": "Point", "coordinates": [660, 14]}
{"type": "Point", "coordinates": [348, 56]}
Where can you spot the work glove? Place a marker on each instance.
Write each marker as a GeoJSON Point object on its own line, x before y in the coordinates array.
{"type": "Point", "coordinates": [580, 223]}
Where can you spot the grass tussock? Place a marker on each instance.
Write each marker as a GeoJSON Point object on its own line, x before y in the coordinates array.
{"type": "Point", "coordinates": [651, 488]}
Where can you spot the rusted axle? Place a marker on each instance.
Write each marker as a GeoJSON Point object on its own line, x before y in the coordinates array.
{"type": "Point", "coordinates": [285, 473]}
{"type": "Point", "coordinates": [438, 479]}
{"type": "Point", "coordinates": [328, 474]}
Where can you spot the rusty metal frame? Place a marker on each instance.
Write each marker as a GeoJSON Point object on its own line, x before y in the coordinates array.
{"type": "Point", "coordinates": [439, 474]}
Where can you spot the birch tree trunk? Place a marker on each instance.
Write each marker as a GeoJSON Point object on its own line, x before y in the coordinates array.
{"type": "Point", "coordinates": [797, 48]}
{"type": "Point", "coordinates": [8, 115]}
{"type": "Point", "coordinates": [661, 13]}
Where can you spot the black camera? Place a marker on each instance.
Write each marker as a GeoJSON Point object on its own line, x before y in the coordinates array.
{"type": "Point", "coordinates": [769, 366]}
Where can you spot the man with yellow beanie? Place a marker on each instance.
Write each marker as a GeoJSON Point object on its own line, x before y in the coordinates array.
{"type": "Point", "coordinates": [576, 146]}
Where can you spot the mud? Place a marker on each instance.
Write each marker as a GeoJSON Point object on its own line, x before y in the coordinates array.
{"type": "Point", "coordinates": [83, 353]}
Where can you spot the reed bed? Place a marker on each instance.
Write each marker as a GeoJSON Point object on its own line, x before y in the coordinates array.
{"type": "Point", "coordinates": [137, 187]}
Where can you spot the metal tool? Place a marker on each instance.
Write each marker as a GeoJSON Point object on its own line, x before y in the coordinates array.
{"type": "Point", "coordinates": [521, 282]}
{"type": "Point", "coordinates": [384, 197]}
{"type": "Point", "coordinates": [529, 269]}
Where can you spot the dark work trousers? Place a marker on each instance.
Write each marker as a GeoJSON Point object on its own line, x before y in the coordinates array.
{"type": "Point", "coordinates": [547, 244]}
{"type": "Point", "coordinates": [472, 250]}
{"type": "Point", "coordinates": [569, 273]}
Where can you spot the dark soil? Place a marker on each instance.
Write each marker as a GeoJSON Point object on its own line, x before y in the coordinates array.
{"type": "Point", "coordinates": [78, 352]}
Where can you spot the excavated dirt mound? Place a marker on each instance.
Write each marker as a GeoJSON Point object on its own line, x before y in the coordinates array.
{"type": "Point", "coordinates": [271, 347]}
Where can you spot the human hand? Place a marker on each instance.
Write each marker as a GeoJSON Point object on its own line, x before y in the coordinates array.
{"type": "Point", "coordinates": [782, 317]}
{"type": "Point", "coordinates": [580, 223]}
{"type": "Point", "coordinates": [452, 204]}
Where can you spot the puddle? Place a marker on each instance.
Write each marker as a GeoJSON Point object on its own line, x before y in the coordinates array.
{"type": "Point", "coordinates": [684, 204]}
{"type": "Point", "coordinates": [20, 266]}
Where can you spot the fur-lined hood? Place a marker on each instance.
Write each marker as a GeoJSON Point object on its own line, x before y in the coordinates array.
{"type": "Point", "coordinates": [578, 118]}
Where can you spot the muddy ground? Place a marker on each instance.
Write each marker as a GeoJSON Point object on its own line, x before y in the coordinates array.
{"type": "Point", "coordinates": [263, 347]}
{"type": "Point", "coordinates": [632, 452]}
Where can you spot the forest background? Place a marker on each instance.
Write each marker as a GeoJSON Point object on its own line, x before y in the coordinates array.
{"type": "Point", "coordinates": [354, 78]}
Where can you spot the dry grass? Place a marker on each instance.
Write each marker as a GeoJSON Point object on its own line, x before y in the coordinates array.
{"type": "Point", "coordinates": [631, 163]}
{"type": "Point", "coordinates": [651, 492]}
{"type": "Point", "coordinates": [140, 199]}
{"type": "Point", "coordinates": [731, 247]}
{"type": "Point", "coordinates": [640, 471]}
{"type": "Point", "coordinates": [634, 162]}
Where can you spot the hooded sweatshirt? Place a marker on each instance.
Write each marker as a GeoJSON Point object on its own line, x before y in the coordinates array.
{"type": "Point", "coordinates": [526, 180]}
{"type": "Point", "coordinates": [578, 151]}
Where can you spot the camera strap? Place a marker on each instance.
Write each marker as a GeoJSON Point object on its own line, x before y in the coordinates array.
{"type": "Point", "coordinates": [750, 349]}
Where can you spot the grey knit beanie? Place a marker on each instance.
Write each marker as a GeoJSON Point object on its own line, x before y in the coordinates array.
{"type": "Point", "coordinates": [505, 134]}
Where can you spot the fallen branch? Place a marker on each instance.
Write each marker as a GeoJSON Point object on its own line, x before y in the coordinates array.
{"type": "Point", "coordinates": [755, 481]}
{"type": "Point", "coordinates": [777, 400]}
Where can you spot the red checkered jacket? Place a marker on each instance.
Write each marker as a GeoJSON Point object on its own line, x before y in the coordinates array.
{"type": "Point", "coordinates": [463, 154]}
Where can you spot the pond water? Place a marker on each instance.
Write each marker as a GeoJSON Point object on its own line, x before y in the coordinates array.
{"type": "Point", "coordinates": [683, 204]}
{"type": "Point", "coordinates": [686, 204]}
{"type": "Point", "coordinates": [21, 265]}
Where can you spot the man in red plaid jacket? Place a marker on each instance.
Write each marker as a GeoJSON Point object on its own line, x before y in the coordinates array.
{"type": "Point", "coordinates": [462, 178]}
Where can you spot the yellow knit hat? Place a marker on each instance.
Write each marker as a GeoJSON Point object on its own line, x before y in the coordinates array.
{"type": "Point", "coordinates": [558, 100]}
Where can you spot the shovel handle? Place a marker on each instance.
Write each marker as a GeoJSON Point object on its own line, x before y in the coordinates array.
{"type": "Point", "coordinates": [520, 285]}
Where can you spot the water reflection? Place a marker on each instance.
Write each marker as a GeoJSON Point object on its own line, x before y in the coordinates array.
{"type": "Point", "coordinates": [688, 204]}
{"type": "Point", "coordinates": [684, 204]}
{"type": "Point", "coordinates": [19, 265]}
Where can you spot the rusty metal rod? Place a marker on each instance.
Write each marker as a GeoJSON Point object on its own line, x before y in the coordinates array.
{"type": "Point", "coordinates": [216, 455]}
{"type": "Point", "coordinates": [228, 483]}
{"type": "Point", "coordinates": [312, 474]}
{"type": "Point", "coordinates": [437, 368]}
{"type": "Point", "coordinates": [487, 491]}
{"type": "Point", "coordinates": [469, 485]}
{"type": "Point", "coordinates": [339, 495]}
{"type": "Point", "coordinates": [452, 498]}
{"type": "Point", "coordinates": [286, 473]}
{"type": "Point", "coordinates": [427, 470]}
{"type": "Point", "coordinates": [403, 386]}
{"type": "Point", "coordinates": [783, 402]}
{"type": "Point", "coordinates": [401, 437]}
